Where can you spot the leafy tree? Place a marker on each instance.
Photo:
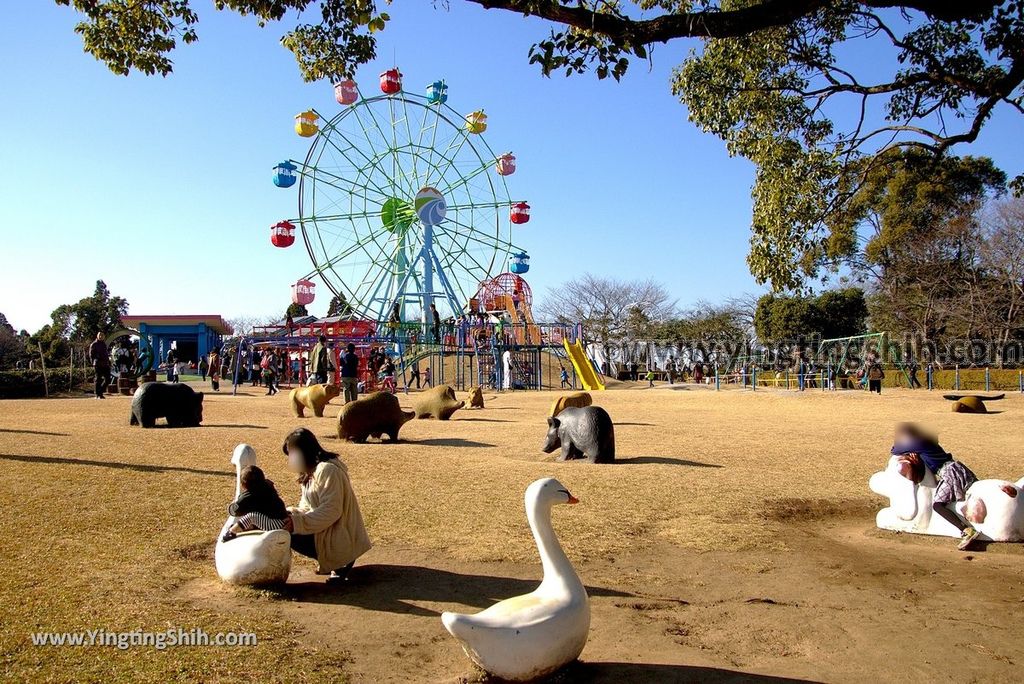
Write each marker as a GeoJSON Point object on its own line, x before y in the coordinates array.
{"type": "Point", "coordinates": [833, 313]}
{"type": "Point", "coordinates": [75, 325]}
{"type": "Point", "coordinates": [704, 323]}
{"type": "Point", "coordinates": [339, 306]}
{"type": "Point", "coordinates": [910, 229]}
{"type": "Point", "coordinates": [296, 310]}
{"type": "Point", "coordinates": [777, 80]}
{"type": "Point", "coordinates": [12, 345]}
{"type": "Point", "coordinates": [781, 317]}
{"type": "Point", "coordinates": [101, 312]}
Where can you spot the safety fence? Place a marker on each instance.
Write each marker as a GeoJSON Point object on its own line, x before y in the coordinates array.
{"type": "Point", "coordinates": [955, 379]}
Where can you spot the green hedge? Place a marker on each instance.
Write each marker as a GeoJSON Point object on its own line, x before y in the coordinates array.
{"type": "Point", "coordinates": [25, 384]}
{"type": "Point", "coordinates": [1002, 380]}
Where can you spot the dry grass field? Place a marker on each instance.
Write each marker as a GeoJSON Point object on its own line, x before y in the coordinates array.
{"type": "Point", "coordinates": [734, 541]}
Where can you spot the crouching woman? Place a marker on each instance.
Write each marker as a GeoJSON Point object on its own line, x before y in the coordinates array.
{"type": "Point", "coordinates": [327, 524]}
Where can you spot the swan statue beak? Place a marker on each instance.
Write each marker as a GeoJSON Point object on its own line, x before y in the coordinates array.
{"type": "Point", "coordinates": [572, 499]}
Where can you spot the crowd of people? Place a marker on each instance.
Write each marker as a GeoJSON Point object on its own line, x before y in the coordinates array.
{"type": "Point", "coordinates": [805, 373]}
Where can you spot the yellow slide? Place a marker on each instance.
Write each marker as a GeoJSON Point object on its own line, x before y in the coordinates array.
{"type": "Point", "coordinates": [584, 369]}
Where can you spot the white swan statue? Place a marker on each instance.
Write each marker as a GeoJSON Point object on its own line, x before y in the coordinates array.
{"type": "Point", "coordinates": [994, 507]}
{"type": "Point", "coordinates": [529, 636]}
{"type": "Point", "coordinates": [252, 557]}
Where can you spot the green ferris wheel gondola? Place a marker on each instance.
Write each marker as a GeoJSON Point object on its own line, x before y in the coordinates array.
{"type": "Point", "coordinates": [401, 201]}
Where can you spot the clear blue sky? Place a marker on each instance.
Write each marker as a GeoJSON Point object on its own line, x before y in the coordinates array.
{"type": "Point", "coordinates": [162, 187]}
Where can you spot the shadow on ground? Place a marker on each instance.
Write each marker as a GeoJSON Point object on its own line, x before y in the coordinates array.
{"type": "Point", "coordinates": [140, 467]}
{"type": "Point", "coordinates": [247, 427]}
{"type": "Point", "coordinates": [667, 461]}
{"type": "Point", "coordinates": [35, 432]}
{"type": "Point", "coordinates": [600, 673]}
{"type": "Point", "coordinates": [452, 442]}
{"type": "Point", "coordinates": [398, 588]}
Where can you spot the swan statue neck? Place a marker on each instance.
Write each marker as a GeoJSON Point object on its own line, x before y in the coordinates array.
{"type": "Point", "coordinates": [238, 492]}
{"type": "Point", "coordinates": [557, 568]}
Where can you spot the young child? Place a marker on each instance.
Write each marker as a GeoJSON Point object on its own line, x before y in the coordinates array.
{"type": "Point", "coordinates": [650, 378]}
{"type": "Point", "coordinates": [259, 507]}
{"type": "Point", "coordinates": [564, 377]}
{"type": "Point", "coordinates": [387, 376]}
{"type": "Point", "coordinates": [922, 450]}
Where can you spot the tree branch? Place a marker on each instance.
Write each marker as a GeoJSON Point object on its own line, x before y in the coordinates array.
{"type": "Point", "coordinates": [715, 23]}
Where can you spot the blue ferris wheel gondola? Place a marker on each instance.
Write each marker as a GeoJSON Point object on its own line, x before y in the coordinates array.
{"type": "Point", "coordinates": [519, 263]}
{"type": "Point", "coordinates": [284, 174]}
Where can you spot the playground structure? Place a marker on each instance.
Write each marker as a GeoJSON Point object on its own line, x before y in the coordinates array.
{"type": "Point", "coordinates": [473, 351]}
{"type": "Point", "coordinates": [497, 345]}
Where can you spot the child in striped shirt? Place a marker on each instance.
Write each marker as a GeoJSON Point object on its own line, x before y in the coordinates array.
{"type": "Point", "coordinates": [258, 507]}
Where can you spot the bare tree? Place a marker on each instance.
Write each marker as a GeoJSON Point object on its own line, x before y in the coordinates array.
{"type": "Point", "coordinates": [612, 311]}
{"type": "Point", "coordinates": [244, 324]}
{"type": "Point", "coordinates": [1001, 257]}
{"type": "Point", "coordinates": [744, 308]}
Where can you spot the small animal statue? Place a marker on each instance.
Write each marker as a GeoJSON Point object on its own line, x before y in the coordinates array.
{"type": "Point", "coordinates": [438, 402]}
{"type": "Point", "coordinates": [994, 507]}
{"type": "Point", "coordinates": [314, 398]}
{"type": "Point", "coordinates": [373, 415]}
{"type": "Point", "coordinates": [574, 400]}
{"type": "Point", "coordinates": [527, 637]}
{"type": "Point", "coordinates": [179, 404]}
{"type": "Point", "coordinates": [256, 557]}
{"type": "Point", "coordinates": [476, 397]}
{"type": "Point", "coordinates": [585, 432]}
{"type": "Point", "coordinates": [970, 403]}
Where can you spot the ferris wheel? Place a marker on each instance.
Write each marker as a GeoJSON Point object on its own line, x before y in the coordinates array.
{"type": "Point", "coordinates": [402, 203]}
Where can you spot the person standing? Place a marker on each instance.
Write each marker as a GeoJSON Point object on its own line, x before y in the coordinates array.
{"type": "Point", "coordinates": [215, 370]}
{"type": "Point", "coordinates": [172, 364]}
{"type": "Point", "coordinates": [428, 377]}
{"type": "Point", "coordinates": [564, 377]}
{"type": "Point", "coordinates": [204, 366]}
{"type": "Point", "coordinates": [269, 365]}
{"type": "Point", "coordinates": [99, 355]}
{"type": "Point", "coordinates": [912, 369]}
{"type": "Point", "coordinates": [350, 373]}
{"type": "Point", "coordinates": [318, 360]}
{"type": "Point", "coordinates": [436, 317]}
{"type": "Point", "coordinates": [388, 376]}
{"type": "Point", "coordinates": [875, 377]}
{"type": "Point", "coordinates": [414, 374]}
{"type": "Point", "coordinates": [254, 370]}
{"type": "Point", "coordinates": [395, 320]}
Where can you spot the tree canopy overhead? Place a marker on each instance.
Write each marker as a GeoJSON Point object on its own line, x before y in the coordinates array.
{"type": "Point", "coordinates": [779, 81]}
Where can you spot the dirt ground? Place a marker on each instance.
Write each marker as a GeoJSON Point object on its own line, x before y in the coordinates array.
{"type": "Point", "coordinates": [735, 541]}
